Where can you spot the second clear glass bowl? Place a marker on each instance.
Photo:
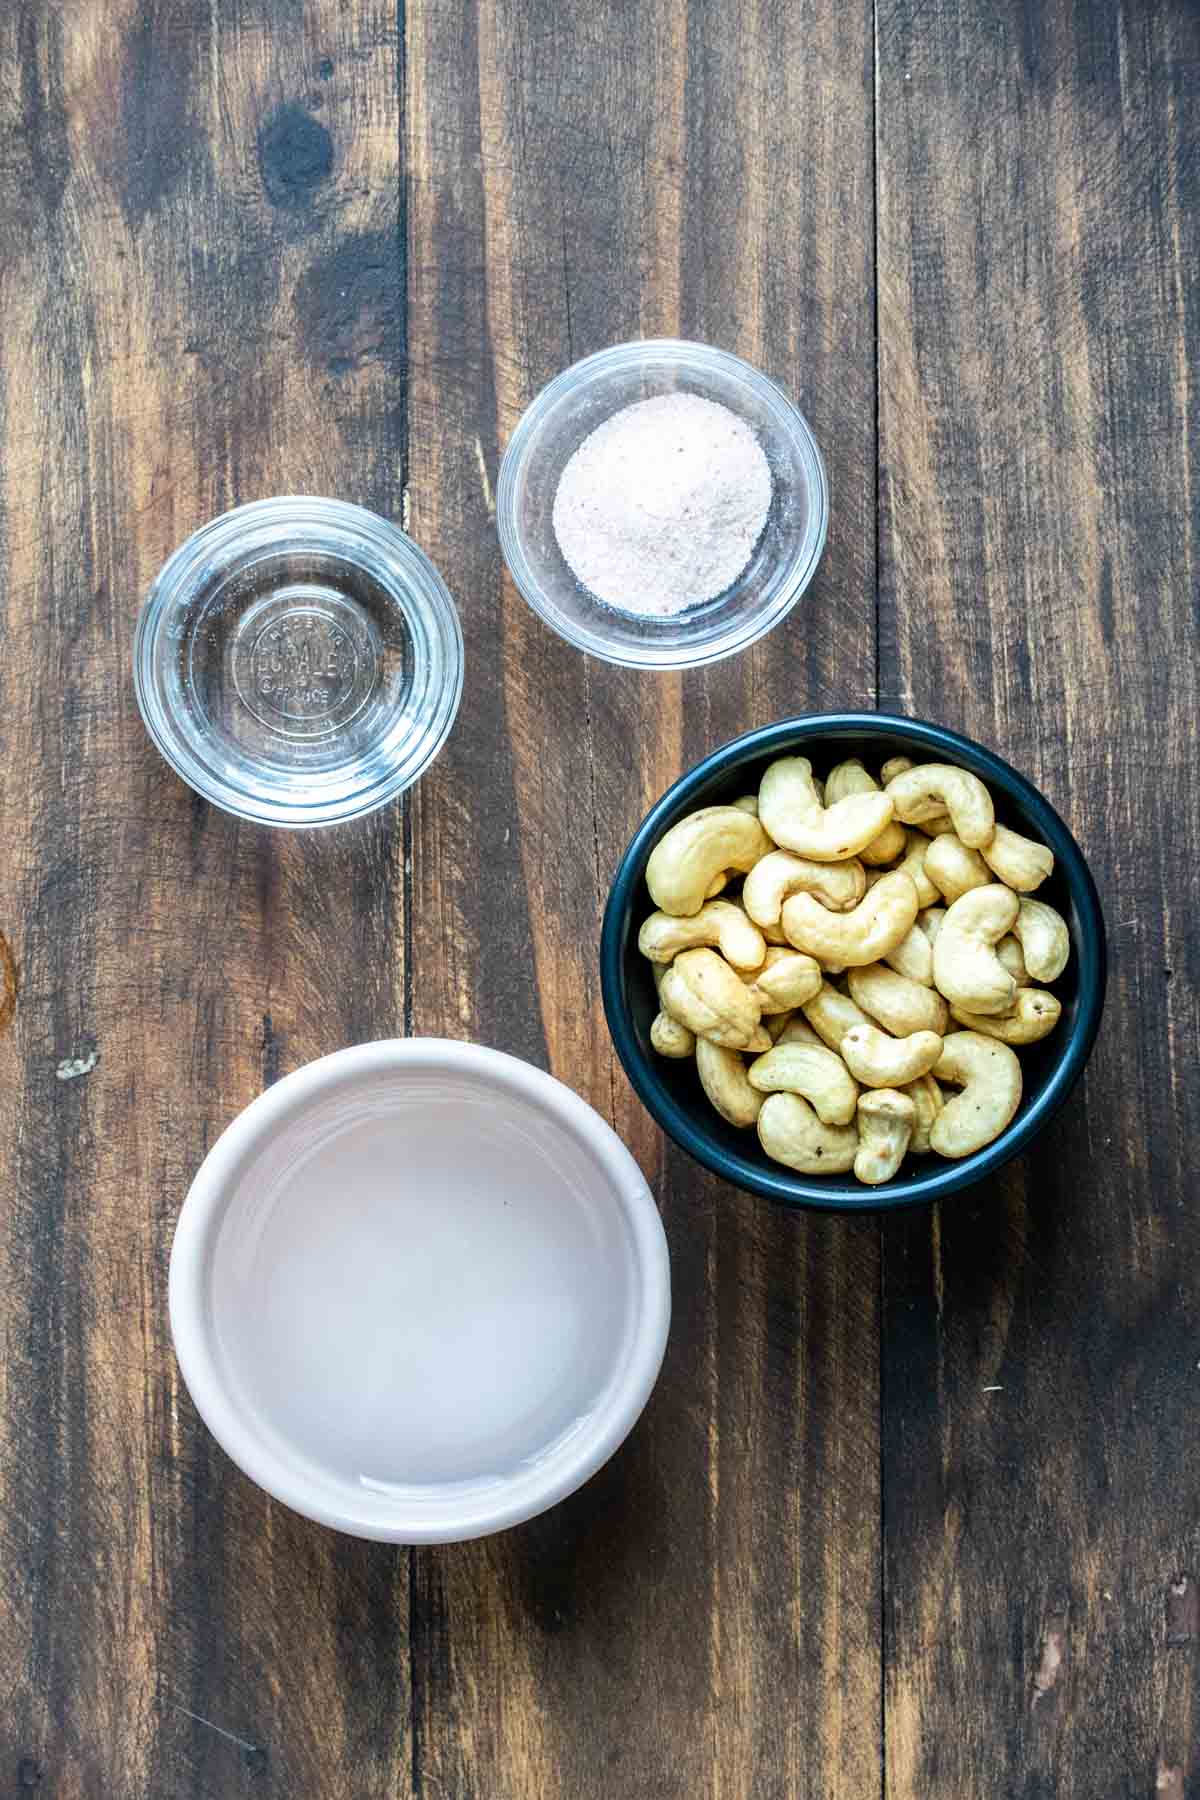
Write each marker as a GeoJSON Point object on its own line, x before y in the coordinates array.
{"type": "Point", "coordinates": [299, 661]}
{"type": "Point", "coordinates": [568, 410]}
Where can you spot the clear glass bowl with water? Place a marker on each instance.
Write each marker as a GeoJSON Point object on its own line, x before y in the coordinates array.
{"type": "Point", "coordinates": [299, 661]}
{"type": "Point", "coordinates": [571, 407]}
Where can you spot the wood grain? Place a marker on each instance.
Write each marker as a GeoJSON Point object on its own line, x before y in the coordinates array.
{"type": "Point", "coordinates": [702, 1618]}
{"type": "Point", "coordinates": [1039, 332]}
{"type": "Point", "coordinates": [202, 294]}
{"type": "Point", "coordinates": [268, 245]}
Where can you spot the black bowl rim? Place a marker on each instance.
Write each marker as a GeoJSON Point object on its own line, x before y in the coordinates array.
{"type": "Point", "coordinates": [1091, 952]}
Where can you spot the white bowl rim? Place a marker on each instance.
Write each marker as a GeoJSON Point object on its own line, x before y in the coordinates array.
{"type": "Point", "coordinates": [392, 1519]}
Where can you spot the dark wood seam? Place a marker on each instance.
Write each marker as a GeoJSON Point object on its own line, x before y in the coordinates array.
{"type": "Point", "coordinates": [882, 1372]}
{"type": "Point", "coordinates": [415, 1634]}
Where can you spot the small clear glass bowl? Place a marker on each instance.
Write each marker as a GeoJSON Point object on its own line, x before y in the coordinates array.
{"type": "Point", "coordinates": [298, 661]}
{"type": "Point", "coordinates": [568, 410]}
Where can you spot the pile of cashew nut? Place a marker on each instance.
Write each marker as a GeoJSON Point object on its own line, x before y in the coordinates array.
{"type": "Point", "coordinates": [873, 916]}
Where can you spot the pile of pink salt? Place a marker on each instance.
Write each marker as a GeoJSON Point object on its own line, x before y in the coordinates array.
{"type": "Point", "coordinates": [661, 507]}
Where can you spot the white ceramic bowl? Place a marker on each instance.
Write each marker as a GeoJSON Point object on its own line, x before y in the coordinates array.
{"type": "Point", "coordinates": [419, 1291]}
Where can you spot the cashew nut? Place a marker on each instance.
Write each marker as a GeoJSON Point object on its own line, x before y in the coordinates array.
{"type": "Point", "coordinates": [989, 1075]}
{"type": "Point", "coordinates": [880, 921]}
{"type": "Point", "coordinates": [1034, 1015]}
{"type": "Point", "coordinates": [930, 920]}
{"type": "Point", "coordinates": [965, 965]}
{"type": "Point", "coordinates": [953, 869]}
{"type": "Point", "coordinates": [913, 863]}
{"type": "Point", "coordinates": [703, 993]}
{"type": "Point", "coordinates": [924, 792]}
{"type": "Point", "coordinates": [670, 1038]}
{"type": "Point", "coordinates": [790, 809]}
{"type": "Point", "coordinates": [790, 1132]}
{"type": "Point", "coordinates": [832, 1015]}
{"type": "Point", "coordinates": [787, 979]}
{"type": "Point", "coordinates": [886, 1120]}
{"type": "Point", "coordinates": [797, 1030]}
{"type": "Point", "coordinates": [848, 778]}
{"type": "Point", "coordinates": [719, 922]}
{"type": "Point", "coordinates": [1008, 950]}
{"type": "Point", "coordinates": [895, 765]}
{"type": "Point", "coordinates": [748, 803]}
{"type": "Point", "coordinates": [1012, 958]}
{"type": "Point", "coordinates": [839, 886]}
{"type": "Point", "coordinates": [667, 1035]}
{"type": "Point", "coordinates": [901, 1005]}
{"type": "Point", "coordinates": [913, 957]}
{"type": "Point", "coordinates": [928, 1100]}
{"type": "Point", "coordinates": [1045, 940]}
{"type": "Point", "coordinates": [812, 1070]}
{"type": "Point", "coordinates": [1020, 862]}
{"type": "Point", "coordinates": [685, 862]}
{"type": "Point", "coordinates": [723, 1077]}
{"type": "Point", "coordinates": [879, 1061]}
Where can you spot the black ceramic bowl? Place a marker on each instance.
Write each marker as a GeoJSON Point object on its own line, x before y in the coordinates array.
{"type": "Point", "coordinates": [671, 1090]}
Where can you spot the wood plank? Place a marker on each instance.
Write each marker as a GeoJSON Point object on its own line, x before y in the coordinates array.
{"type": "Point", "coordinates": [702, 1618]}
{"type": "Point", "coordinates": [203, 301]}
{"type": "Point", "coordinates": [1039, 181]}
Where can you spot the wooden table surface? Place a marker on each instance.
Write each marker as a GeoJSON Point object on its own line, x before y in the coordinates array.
{"type": "Point", "coordinates": [915, 1509]}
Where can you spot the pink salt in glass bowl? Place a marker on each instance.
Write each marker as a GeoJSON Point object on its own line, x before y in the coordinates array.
{"type": "Point", "coordinates": [568, 410]}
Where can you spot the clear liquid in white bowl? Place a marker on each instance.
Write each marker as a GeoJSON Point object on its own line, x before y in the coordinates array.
{"type": "Point", "coordinates": [427, 1292]}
